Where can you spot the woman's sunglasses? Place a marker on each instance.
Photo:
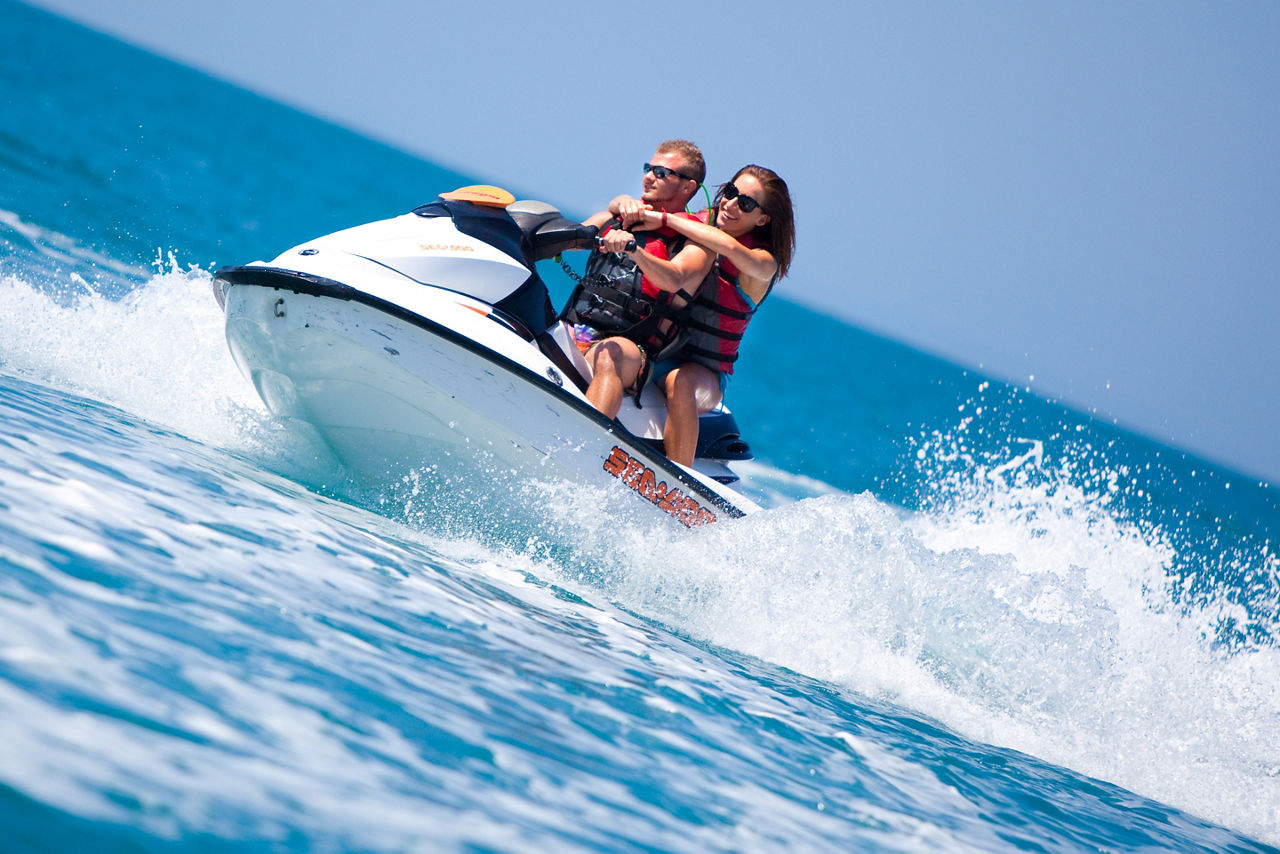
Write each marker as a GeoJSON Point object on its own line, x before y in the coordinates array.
{"type": "Point", "coordinates": [730, 192]}
{"type": "Point", "coordinates": [661, 172]}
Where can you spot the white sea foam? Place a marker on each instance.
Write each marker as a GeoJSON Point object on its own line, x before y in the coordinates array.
{"type": "Point", "coordinates": [159, 353]}
{"type": "Point", "coordinates": [1030, 617]}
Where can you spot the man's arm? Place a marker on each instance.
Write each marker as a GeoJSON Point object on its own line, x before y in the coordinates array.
{"type": "Point", "coordinates": [755, 263]}
{"type": "Point", "coordinates": [684, 272]}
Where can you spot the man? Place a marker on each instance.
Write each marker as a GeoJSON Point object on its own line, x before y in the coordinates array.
{"type": "Point", "coordinates": [637, 283]}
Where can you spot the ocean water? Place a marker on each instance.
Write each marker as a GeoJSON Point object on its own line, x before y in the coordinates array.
{"type": "Point", "coordinates": [973, 619]}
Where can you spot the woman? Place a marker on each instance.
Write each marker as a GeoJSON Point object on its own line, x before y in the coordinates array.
{"type": "Point", "coordinates": [752, 230]}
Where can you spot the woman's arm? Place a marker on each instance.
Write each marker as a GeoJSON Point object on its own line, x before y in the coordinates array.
{"type": "Point", "coordinates": [684, 272]}
{"type": "Point", "coordinates": [758, 264]}
{"type": "Point", "coordinates": [627, 209]}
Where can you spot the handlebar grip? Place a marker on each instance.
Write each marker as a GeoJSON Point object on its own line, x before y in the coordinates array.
{"type": "Point", "coordinates": [630, 247]}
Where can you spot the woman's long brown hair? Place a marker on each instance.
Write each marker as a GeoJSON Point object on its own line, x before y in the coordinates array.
{"type": "Point", "coordinates": [778, 234]}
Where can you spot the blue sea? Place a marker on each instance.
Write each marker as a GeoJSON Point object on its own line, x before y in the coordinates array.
{"type": "Point", "coordinates": [971, 620]}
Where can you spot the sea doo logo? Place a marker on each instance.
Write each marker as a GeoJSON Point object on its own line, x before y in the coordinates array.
{"type": "Point", "coordinates": [446, 247]}
{"type": "Point", "coordinates": [641, 478]}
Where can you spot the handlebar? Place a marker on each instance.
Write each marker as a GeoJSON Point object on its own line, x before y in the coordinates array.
{"type": "Point", "coordinates": [557, 235]}
{"type": "Point", "coordinates": [630, 247]}
{"type": "Point", "coordinates": [550, 234]}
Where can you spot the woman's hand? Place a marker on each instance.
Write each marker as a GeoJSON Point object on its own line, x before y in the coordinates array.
{"type": "Point", "coordinates": [616, 202]}
{"type": "Point", "coordinates": [629, 210]}
{"type": "Point", "coordinates": [648, 220]}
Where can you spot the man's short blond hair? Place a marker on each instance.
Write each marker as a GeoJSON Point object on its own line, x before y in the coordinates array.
{"type": "Point", "coordinates": [694, 164]}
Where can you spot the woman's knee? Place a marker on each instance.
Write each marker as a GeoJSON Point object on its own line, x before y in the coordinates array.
{"type": "Point", "coordinates": [669, 384]}
{"type": "Point", "coordinates": [693, 385]}
{"type": "Point", "coordinates": [700, 383]}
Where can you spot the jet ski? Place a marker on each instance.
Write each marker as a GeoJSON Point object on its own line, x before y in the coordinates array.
{"type": "Point", "coordinates": [428, 343]}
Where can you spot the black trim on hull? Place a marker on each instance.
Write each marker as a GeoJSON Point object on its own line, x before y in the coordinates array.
{"type": "Point", "coordinates": [318, 286]}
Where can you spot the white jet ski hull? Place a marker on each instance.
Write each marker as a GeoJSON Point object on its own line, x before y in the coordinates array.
{"type": "Point", "coordinates": [394, 392]}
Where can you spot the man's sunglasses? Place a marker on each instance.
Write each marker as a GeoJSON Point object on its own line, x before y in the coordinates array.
{"type": "Point", "coordinates": [730, 192]}
{"type": "Point", "coordinates": [661, 172]}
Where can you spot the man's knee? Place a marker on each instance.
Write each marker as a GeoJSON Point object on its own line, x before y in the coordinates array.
{"type": "Point", "coordinates": [607, 358]}
{"type": "Point", "coordinates": [618, 357]}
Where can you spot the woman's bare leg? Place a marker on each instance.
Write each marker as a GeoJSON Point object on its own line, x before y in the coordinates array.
{"type": "Point", "coordinates": [691, 390]}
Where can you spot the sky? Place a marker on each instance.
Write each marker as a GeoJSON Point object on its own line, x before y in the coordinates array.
{"type": "Point", "coordinates": [1082, 198]}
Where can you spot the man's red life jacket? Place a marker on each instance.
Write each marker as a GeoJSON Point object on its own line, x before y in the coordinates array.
{"type": "Point", "coordinates": [616, 298]}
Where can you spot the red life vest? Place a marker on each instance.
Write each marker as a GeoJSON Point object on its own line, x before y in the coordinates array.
{"type": "Point", "coordinates": [615, 297]}
{"type": "Point", "coordinates": [719, 315]}
{"type": "Point", "coordinates": [661, 243]}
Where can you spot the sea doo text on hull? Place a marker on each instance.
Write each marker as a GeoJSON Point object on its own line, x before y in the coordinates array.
{"type": "Point", "coordinates": [428, 343]}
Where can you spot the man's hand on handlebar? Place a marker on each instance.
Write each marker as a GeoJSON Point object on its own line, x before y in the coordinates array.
{"type": "Point", "coordinates": [618, 240]}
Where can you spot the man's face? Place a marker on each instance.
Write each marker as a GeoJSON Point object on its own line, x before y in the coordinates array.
{"type": "Point", "coordinates": [669, 193]}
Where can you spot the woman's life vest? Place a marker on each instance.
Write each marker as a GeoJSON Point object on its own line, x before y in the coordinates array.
{"type": "Point", "coordinates": [614, 297]}
{"type": "Point", "coordinates": [719, 316]}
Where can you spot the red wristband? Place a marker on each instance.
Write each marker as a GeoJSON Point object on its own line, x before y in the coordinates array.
{"type": "Point", "coordinates": [664, 219]}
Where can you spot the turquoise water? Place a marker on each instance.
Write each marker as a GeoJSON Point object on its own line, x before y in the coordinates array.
{"type": "Point", "coordinates": [979, 621]}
